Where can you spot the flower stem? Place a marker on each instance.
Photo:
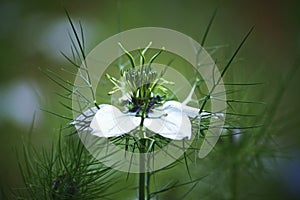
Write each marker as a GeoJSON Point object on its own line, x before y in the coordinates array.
{"type": "Point", "coordinates": [142, 175]}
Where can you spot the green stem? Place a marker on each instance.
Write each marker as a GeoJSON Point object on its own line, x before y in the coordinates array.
{"type": "Point", "coordinates": [148, 174]}
{"type": "Point", "coordinates": [142, 175]}
{"type": "Point", "coordinates": [142, 149]}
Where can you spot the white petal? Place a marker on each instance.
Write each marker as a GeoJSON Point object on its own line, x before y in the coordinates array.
{"type": "Point", "coordinates": [175, 125]}
{"type": "Point", "coordinates": [190, 111]}
{"type": "Point", "coordinates": [83, 121]}
{"type": "Point", "coordinates": [109, 121]}
{"type": "Point", "coordinates": [194, 112]}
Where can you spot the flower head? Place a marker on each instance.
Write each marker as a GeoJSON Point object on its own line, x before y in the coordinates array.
{"type": "Point", "coordinates": [147, 105]}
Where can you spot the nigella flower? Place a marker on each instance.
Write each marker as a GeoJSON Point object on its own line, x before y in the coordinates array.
{"type": "Point", "coordinates": [168, 120]}
{"type": "Point", "coordinates": [147, 106]}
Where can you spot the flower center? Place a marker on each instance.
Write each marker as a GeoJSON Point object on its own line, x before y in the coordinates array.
{"type": "Point", "coordinates": [141, 107]}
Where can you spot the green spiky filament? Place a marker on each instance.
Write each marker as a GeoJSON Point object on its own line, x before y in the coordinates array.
{"type": "Point", "coordinates": [143, 84]}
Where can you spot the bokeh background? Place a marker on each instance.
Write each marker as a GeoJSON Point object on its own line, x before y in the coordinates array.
{"type": "Point", "coordinates": [33, 33]}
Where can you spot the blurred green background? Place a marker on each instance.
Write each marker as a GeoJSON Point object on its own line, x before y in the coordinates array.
{"type": "Point", "coordinates": [33, 33]}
